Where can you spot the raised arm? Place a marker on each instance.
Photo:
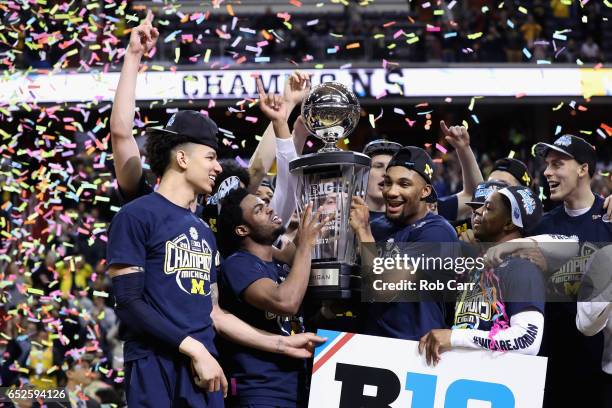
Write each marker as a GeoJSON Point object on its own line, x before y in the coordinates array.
{"type": "Point", "coordinates": [125, 150]}
{"type": "Point", "coordinates": [459, 138]}
{"type": "Point", "coordinates": [296, 87]}
{"type": "Point", "coordinates": [286, 298]}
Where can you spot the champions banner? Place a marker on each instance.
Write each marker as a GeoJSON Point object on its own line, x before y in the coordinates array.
{"type": "Point", "coordinates": [369, 83]}
{"type": "Point", "coordinates": [353, 370]}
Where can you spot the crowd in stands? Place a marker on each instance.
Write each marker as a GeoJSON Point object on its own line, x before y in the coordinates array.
{"type": "Point", "coordinates": [536, 31]}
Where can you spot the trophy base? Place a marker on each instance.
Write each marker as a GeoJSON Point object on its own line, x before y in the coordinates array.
{"type": "Point", "coordinates": [334, 280]}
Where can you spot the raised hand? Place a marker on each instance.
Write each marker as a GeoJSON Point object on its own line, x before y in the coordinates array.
{"type": "Point", "coordinates": [310, 226]}
{"type": "Point", "coordinates": [143, 37]}
{"type": "Point", "coordinates": [296, 87]}
{"type": "Point", "coordinates": [272, 105]}
{"type": "Point", "coordinates": [360, 215]}
{"type": "Point", "coordinates": [457, 136]}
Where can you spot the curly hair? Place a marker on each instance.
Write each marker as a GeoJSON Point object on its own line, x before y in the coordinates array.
{"type": "Point", "coordinates": [158, 148]}
{"type": "Point", "coordinates": [229, 218]}
{"type": "Point", "coordinates": [232, 168]}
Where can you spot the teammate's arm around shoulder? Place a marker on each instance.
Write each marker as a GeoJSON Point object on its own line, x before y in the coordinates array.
{"type": "Point", "coordinates": [126, 155]}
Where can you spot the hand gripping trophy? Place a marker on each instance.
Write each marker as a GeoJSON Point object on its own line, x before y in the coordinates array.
{"type": "Point", "coordinates": [328, 179]}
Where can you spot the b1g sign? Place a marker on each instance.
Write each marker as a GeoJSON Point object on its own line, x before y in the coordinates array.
{"type": "Point", "coordinates": [357, 371]}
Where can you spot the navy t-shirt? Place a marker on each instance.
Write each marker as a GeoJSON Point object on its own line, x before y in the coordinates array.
{"type": "Point", "coordinates": [447, 207]}
{"type": "Point", "coordinates": [179, 255]}
{"type": "Point", "coordinates": [515, 279]}
{"type": "Point", "coordinates": [411, 320]}
{"type": "Point", "coordinates": [590, 229]}
{"type": "Point", "coordinates": [259, 377]}
{"type": "Point", "coordinates": [376, 214]}
{"type": "Point", "coordinates": [569, 351]}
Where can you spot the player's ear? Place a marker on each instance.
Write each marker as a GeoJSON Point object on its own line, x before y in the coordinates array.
{"type": "Point", "coordinates": [509, 225]}
{"type": "Point", "coordinates": [583, 170]}
{"type": "Point", "coordinates": [242, 230]}
{"type": "Point", "coordinates": [425, 191]}
{"type": "Point", "coordinates": [181, 158]}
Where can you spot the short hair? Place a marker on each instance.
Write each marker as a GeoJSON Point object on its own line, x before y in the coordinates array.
{"type": "Point", "coordinates": [158, 148]}
{"type": "Point", "coordinates": [230, 217]}
{"type": "Point", "coordinates": [232, 168]}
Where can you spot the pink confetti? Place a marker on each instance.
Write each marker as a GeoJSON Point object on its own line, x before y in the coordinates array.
{"type": "Point", "coordinates": [441, 148]}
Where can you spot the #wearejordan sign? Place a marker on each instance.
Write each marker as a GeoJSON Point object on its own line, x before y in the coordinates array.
{"type": "Point", "coordinates": [353, 370]}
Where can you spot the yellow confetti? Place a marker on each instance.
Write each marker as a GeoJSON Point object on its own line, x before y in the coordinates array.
{"type": "Point", "coordinates": [511, 154]}
{"type": "Point", "coordinates": [372, 121]}
{"type": "Point", "coordinates": [556, 108]}
{"type": "Point", "coordinates": [207, 55]}
{"type": "Point", "coordinates": [475, 35]}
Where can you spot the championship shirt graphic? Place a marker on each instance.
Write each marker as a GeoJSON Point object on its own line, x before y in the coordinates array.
{"type": "Point", "coordinates": [190, 259]}
{"type": "Point", "coordinates": [473, 309]}
{"type": "Point", "coordinates": [566, 281]}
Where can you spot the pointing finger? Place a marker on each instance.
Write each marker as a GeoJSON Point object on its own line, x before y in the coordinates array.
{"type": "Point", "coordinates": [444, 128]}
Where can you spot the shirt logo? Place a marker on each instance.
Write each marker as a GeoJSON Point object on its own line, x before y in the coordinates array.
{"type": "Point", "coordinates": [190, 261]}
{"type": "Point", "coordinates": [193, 233]}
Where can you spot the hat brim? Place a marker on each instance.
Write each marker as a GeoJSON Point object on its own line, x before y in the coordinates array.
{"type": "Point", "coordinates": [542, 149]}
{"type": "Point", "coordinates": [161, 131]}
{"type": "Point", "coordinates": [474, 204]}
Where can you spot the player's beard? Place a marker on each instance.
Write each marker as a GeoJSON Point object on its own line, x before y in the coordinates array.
{"type": "Point", "coordinates": [266, 237]}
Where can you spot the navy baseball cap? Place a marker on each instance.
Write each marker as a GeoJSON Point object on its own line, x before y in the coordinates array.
{"type": "Point", "coordinates": [573, 146]}
{"type": "Point", "coordinates": [417, 159]}
{"type": "Point", "coordinates": [483, 191]}
{"type": "Point", "coordinates": [381, 146]}
{"type": "Point", "coordinates": [517, 168]}
{"type": "Point", "coordinates": [525, 206]}
{"type": "Point", "coordinates": [194, 126]}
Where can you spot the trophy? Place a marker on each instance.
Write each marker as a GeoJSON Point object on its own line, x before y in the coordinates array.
{"type": "Point", "coordinates": [329, 179]}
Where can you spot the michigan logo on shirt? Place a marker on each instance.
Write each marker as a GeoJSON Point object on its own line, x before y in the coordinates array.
{"type": "Point", "coordinates": [566, 281]}
{"type": "Point", "coordinates": [189, 259]}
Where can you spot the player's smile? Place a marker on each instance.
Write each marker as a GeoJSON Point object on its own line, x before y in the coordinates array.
{"type": "Point", "coordinates": [395, 206]}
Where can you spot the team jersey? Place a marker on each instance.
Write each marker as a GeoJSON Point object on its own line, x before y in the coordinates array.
{"type": "Point", "coordinates": [482, 305]}
{"type": "Point", "coordinates": [574, 359]}
{"type": "Point", "coordinates": [591, 230]}
{"type": "Point", "coordinates": [179, 255]}
{"type": "Point", "coordinates": [259, 377]}
{"type": "Point", "coordinates": [411, 320]}
{"type": "Point", "coordinates": [374, 215]}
